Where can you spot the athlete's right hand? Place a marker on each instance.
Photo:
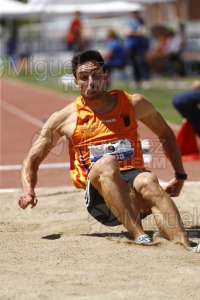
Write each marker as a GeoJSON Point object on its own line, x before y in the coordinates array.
{"type": "Point", "coordinates": [27, 199]}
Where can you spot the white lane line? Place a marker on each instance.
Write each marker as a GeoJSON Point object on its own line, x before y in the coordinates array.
{"type": "Point", "coordinates": [21, 114]}
{"type": "Point", "coordinates": [9, 190]}
{"type": "Point", "coordinates": [40, 189]}
{"type": "Point", "coordinates": [164, 183]}
{"type": "Point", "coordinates": [12, 190]}
{"type": "Point", "coordinates": [67, 165]}
{"type": "Point", "coordinates": [42, 166]}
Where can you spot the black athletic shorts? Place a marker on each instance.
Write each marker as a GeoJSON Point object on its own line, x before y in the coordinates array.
{"type": "Point", "coordinates": [96, 205]}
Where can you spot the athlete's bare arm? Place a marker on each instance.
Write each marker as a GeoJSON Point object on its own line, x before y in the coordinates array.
{"type": "Point", "coordinates": [60, 124]}
{"type": "Point", "coordinates": [147, 114]}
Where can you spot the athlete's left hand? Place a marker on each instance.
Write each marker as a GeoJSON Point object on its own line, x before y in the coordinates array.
{"type": "Point", "coordinates": [174, 187]}
{"type": "Point", "coordinates": [27, 199]}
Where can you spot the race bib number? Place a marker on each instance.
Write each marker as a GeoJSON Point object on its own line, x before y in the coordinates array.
{"type": "Point", "coordinates": [121, 149]}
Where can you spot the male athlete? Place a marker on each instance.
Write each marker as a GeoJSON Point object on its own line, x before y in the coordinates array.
{"type": "Point", "coordinates": [106, 156]}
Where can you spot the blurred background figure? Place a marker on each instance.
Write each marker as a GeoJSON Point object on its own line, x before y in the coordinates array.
{"type": "Point", "coordinates": [174, 51]}
{"type": "Point", "coordinates": [115, 55]}
{"type": "Point", "coordinates": [156, 54]}
{"type": "Point", "coordinates": [187, 103]}
{"type": "Point", "coordinates": [165, 53]}
{"type": "Point", "coordinates": [12, 47]}
{"type": "Point", "coordinates": [74, 36]}
{"type": "Point", "coordinates": [137, 44]}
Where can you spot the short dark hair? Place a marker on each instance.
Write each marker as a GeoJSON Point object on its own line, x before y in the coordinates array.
{"type": "Point", "coordinates": [87, 55]}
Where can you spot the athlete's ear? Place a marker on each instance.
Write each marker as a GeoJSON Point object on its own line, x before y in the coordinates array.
{"type": "Point", "coordinates": [76, 83]}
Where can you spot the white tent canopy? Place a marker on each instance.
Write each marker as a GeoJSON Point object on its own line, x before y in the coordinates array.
{"type": "Point", "coordinates": [116, 7]}
{"type": "Point", "coordinates": [93, 1]}
{"type": "Point", "coordinates": [15, 9]}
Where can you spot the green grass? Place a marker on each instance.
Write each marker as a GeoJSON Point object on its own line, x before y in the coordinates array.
{"type": "Point", "coordinates": [159, 94]}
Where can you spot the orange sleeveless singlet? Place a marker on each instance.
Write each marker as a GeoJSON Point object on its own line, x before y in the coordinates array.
{"type": "Point", "coordinates": [95, 129]}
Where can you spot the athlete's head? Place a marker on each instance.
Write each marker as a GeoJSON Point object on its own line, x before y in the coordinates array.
{"type": "Point", "coordinates": [90, 72]}
{"type": "Point", "coordinates": [85, 56]}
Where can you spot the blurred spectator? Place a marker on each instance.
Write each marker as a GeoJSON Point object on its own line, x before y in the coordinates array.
{"type": "Point", "coordinates": [74, 38]}
{"type": "Point", "coordinates": [115, 55]}
{"type": "Point", "coordinates": [165, 54]}
{"type": "Point", "coordinates": [174, 50]}
{"type": "Point", "coordinates": [12, 47]}
{"type": "Point", "coordinates": [156, 55]}
{"type": "Point", "coordinates": [187, 103]}
{"type": "Point", "coordinates": [12, 42]}
{"type": "Point", "coordinates": [137, 45]}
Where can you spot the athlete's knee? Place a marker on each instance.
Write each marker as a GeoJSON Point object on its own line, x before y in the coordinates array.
{"type": "Point", "coordinates": [107, 166]}
{"type": "Point", "coordinates": [147, 184]}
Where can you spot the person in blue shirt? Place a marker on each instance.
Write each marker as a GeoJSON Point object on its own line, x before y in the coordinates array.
{"type": "Point", "coordinates": [115, 55]}
{"type": "Point", "coordinates": [137, 44]}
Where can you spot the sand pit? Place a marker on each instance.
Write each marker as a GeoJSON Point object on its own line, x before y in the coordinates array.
{"type": "Point", "coordinates": [56, 251]}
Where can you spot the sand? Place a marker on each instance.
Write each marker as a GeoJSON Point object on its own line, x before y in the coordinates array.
{"type": "Point", "coordinates": [56, 251]}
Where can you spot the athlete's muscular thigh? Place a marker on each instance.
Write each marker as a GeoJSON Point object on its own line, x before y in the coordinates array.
{"type": "Point", "coordinates": [106, 166]}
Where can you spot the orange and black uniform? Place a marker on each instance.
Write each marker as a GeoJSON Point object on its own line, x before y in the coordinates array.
{"type": "Point", "coordinates": [95, 129]}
